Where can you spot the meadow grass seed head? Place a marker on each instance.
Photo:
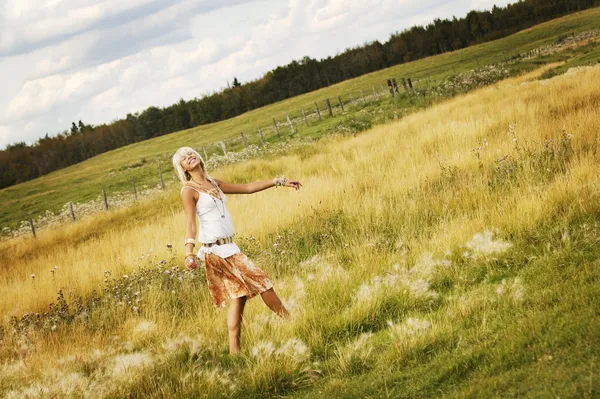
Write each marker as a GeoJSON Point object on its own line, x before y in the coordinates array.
{"type": "Point", "coordinates": [501, 288]}
{"type": "Point", "coordinates": [263, 349]}
{"type": "Point", "coordinates": [483, 244]}
{"type": "Point", "coordinates": [144, 327]}
{"type": "Point", "coordinates": [411, 326]}
{"type": "Point", "coordinates": [127, 364]}
{"type": "Point", "coordinates": [294, 349]}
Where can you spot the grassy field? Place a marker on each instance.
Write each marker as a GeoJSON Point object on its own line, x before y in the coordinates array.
{"type": "Point", "coordinates": [454, 252]}
{"type": "Point", "coordinates": [114, 170]}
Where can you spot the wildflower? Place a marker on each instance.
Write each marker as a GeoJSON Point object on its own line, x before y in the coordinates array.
{"type": "Point", "coordinates": [32, 276]}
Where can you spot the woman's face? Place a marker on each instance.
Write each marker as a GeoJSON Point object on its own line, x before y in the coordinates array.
{"type": "Point", "coordinates": [189, 161]}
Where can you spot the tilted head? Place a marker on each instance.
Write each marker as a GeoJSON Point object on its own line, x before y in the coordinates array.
{"type": "Point", "coordinates": [186, 159]}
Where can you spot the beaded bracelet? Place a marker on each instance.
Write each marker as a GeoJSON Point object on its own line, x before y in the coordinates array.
{"type": "Point", "coordinates": [279, 181]}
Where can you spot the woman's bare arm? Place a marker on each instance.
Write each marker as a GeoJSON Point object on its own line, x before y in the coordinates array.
{"type": "Point", "coordinates": [189, 208]}
{"type": "Point", "coordinates": [254, 187]}
{"type": "Point", "coordinates": [248, 188]}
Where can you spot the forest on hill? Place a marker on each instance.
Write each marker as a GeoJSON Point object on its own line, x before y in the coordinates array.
{"type": "Point", "coordinates": [20, 162]}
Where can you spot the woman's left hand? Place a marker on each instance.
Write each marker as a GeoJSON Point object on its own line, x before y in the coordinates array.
{"type": "Point", "coordinates": [293, 183]}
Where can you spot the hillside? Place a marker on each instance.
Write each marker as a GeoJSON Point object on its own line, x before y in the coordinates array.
{"type": "Point", "coordinates": [453, 252]}
{"type": "Point", "coordinates": [114, 170]}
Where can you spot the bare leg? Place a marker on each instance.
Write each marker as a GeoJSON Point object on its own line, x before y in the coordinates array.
{"type": "Point", "coordinates": [234, 323]}
{"type": "Point", "coordinates": [271, 299]}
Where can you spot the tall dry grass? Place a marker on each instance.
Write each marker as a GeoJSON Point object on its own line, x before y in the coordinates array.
{"type": "Point", "coordinates": [512, 157]}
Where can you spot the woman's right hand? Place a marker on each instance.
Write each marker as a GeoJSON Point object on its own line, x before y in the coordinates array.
{"type": "Point", "coordinates": [190, 262]}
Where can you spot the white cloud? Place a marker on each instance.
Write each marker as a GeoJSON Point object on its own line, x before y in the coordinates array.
{"type": "Point", "coordinates": [97, 60]}
{"type": "Point", "coordinates": [5, 136]}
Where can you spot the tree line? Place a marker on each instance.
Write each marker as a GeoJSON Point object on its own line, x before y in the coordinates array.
{"type": "Point", "coordinates": [21, 162]}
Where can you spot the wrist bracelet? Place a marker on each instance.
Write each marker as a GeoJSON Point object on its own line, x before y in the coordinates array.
{"type": "Point", "coordinates": [190, 241]}
{"type": "Point", "coordinates": [279, 181]}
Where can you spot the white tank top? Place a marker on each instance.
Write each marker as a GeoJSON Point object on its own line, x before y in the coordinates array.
{"type": "Point", "coordinates": [212, 226]}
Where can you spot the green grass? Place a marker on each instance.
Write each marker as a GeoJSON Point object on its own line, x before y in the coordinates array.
{"type": "Point", "coordinates": [548, 348]}
{"type": "Point", "coordinates": [114, 170]}
{"type": "Point", "coordinates": [514, 317]}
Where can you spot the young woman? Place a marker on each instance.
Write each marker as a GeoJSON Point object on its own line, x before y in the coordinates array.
{"type": "Point", "coordinates": [230, 274]}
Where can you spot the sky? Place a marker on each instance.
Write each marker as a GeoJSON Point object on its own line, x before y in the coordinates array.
{"type": "Point", "coordinates": [62, 61]}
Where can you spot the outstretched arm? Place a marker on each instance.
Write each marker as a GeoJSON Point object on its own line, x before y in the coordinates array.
{"type": "Point", "coordinates": [254, 187]}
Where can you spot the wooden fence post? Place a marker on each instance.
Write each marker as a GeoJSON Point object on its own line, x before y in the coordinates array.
{"type": "Point", "coordinates": [32, 228]}
{"type": "Point", "coordinates": [318, 110]}
{"type": "Point", "coordinates": [162, 182]}
{"type": "Point", "coordinates": [304, 115]}
{"type": "Point", "coordinates": [105, 200]}
{"type": "Point", "coordinates": [72, 211]}
{"type": "Point", "coordinates": [410, 84]}
{"type": "Point", "coordinates": [395, 85]}
{"type": "Point", "coordinates": [205, 156]}
{"type": "Point", "coordinates": [289, 121]}
{"type": "Point", "coordinates": [262, 140]}
{"type": "Point", "coordinates": [352, 99]}
{"type": "Point", "coordinates": [243, 139]}
{"type": "Point", "coordinates": [134, 189]}
{"type": "Point", "coordinates": [328, 104]}
{"type": "Point", "coordinates": [362, 95]}
{"type": "Point", "coordinates": [276, 129]}
{"type": "Point", "coordinates": [390, 87]}
{"type": "Point", "coordinates": [341, 103]}
{"type": "Point", "coordinates": [223, 148]}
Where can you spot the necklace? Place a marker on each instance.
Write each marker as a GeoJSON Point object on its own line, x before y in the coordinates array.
{"type": "Point", "coordinates": [222, 211]}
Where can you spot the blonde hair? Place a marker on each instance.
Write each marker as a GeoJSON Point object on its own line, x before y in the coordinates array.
{"type": "Point", "coordinates": [183, 175]}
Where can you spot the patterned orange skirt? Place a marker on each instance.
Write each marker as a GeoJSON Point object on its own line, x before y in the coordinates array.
{"type": "Point", "coordinates": [233, 277]}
